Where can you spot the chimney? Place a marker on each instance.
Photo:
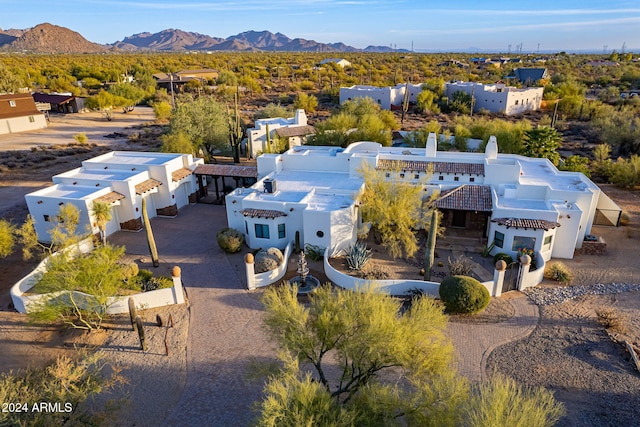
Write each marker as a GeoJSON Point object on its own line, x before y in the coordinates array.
{"type": "Point", "coordinates": [491, 150]}
{"type": "Point", "coordinates": [432, 145]}
{"type": "Point", "coordinates": [301, 117]}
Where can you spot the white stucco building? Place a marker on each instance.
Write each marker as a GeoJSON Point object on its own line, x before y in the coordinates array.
{"type": "Point", "coordinates": [509, 200]}
{"type": "Point", "coordinates": [498, 98]}
{"type": "Point", "coordinates": [390, 97]}
{"type": "Point", "coordinates": [19, 113]}
{"type": "Point", "coordinates": [122, 179]}
{"type": "Point", "coordinates": [295, 129]}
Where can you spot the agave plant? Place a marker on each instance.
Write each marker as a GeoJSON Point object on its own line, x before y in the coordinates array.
{"type": "Point", "coordinates": [357, 255]}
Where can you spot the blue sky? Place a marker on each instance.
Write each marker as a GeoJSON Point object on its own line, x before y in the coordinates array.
{"type": "Point", "coordinates": [434, 26]}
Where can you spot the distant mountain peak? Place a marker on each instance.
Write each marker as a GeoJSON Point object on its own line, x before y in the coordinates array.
{"type": "Point", "coordinates": [50, 38]}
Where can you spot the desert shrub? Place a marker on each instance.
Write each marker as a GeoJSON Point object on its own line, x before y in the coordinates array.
{"type": "Point", "coordinates": [313, 252]}
{"type": "Point", "coordinates": [461, 266]}
{"type": "Point", "coordinates": [463, 294]}
{"type": "Point", "coordinates": [267, 260]}
{"type": "Point", "coordinates": [504, 257]}
{"type": "Point", "coordinates": [230, 240]}
{"type": "Point", "coordinates": [375, 272]}
{"type": "Point", "coordinates": [558, 272]}
{"type": "Point", "coordinates": [160, 282]}
{"type": "Point", "coordinates": [357, 255]}
{"type": "Point", "coordinates": [145, 275]}
{"type": "Point", "coordinates": [129, 269]}
{"type": "Point", "coordinates": [81, 138]}
{"type": "Point", "coordinates": [612, 319]}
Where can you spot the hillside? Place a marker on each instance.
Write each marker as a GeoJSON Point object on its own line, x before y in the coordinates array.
{"type": "Point", "coordinates": [48, 38]}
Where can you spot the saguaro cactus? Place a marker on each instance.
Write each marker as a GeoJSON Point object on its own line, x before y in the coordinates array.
{"type": "Point", "coordinates": [132, 312]}
{"type": "Point", "coordinates": [150, 240]}
{"type": "Point", "coordinates": [429, 255]}
{"type": "Point", "coordinates": [143, 341]}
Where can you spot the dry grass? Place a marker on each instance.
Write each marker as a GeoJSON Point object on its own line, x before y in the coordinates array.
{"type": "Point", "coordinates": [613, 320]}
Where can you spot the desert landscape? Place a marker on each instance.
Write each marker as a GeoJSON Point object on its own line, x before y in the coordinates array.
{"type": "Point", "coordinates": [569, 351]}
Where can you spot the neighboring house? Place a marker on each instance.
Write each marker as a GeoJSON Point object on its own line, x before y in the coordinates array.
{"type": "Point", "coordinates": [338, 61]}
{"type": "Point", "coordinates": [389, 98]}
{"type": "Point", "coordinates": [498, 98]}
{"type": "Point", "coordinates": [18, 113]}
{"type": "Point", "coordinates": [295, 129]}
{"type": "Point", "coordinates": [60, 103]}
{"type": "Point", "coordinates": [530, 76]}
{"type": "Point", "coordinates": [121, 179]}
{"type": "Point", "coordinates": [180, 78]}
{"type": "Point", "coordinates": [506, 200]}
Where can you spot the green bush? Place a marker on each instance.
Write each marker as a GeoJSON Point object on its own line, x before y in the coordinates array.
{"type": "Point", "coordinates": [504, 257]}
{"type": "Point", "coordinates": [230, 240]}
{"type": "Point", "coordinates": [129, 269]}
{"type": "Point", "coordinates": [145, 275]}
{"type": "Point", "coordinates": [558, 272]}
{"type": "Point", "coordinates": [313, 252]}
{"type": "Point", "coordinates": [463, 294]}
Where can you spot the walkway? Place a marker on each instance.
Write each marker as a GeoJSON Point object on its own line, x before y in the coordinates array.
{"type": "Point", "coordinates": [475, 342]}
{"type": "Point", "coordinates": [225, 333]}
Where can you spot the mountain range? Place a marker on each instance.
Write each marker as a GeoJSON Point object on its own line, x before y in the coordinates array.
{"type": "Point", "coordinates": [48, 38]}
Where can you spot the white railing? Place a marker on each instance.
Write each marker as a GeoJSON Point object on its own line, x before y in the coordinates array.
{"type": "Point", "coordinates": [259, 280]}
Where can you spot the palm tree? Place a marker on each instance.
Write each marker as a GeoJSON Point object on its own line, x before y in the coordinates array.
{"type": "Point", "coordinates": [102, 213]}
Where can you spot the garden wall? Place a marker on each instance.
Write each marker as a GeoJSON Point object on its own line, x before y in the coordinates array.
{"type": "Point", "coordinates": [392, 287]}
{"type": "Point", "coordinates": [116, 305]}
{"type": "Point", "coordinates": [268, 277]}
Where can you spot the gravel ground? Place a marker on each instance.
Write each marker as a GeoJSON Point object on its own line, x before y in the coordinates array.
{"type": "Point", "coordinates": [572, 354]}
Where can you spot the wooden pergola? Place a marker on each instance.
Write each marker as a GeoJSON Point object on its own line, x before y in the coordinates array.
{"type": "Point", "coordinates": [238, 173]}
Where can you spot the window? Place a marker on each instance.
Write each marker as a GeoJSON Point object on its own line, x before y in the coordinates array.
{"type": "Point", "coordinates": [320, 233]}
{"type": "Point", "coordinates": [472, 179]}
{"type": "Point", "coordinates": [416, 176]}
{"type": "Point", "coordinates": [32, 119]}
{"type": "Point", "coordinates": [262, 231]}
{"type": "Point", "coordinates": [12, 103]}
{"type": "Point", "coordinates": [47, 218]}
{"type": "Point", "coordinates": [546, 244]}
{"type": "Point", "coordinates": [281, 231]}
{"type": "Point", "coordinates": [520, 242]}
{"type": "Point", "coordinates": [456, 178]}
{"type": "Point", "coordinates": [387, 175]}
{"type": "Point", "coordinates": [402, 175]}
{"type": "Point", "coordinates": [441, 178]}
{"type": "Point", "coordinates": [517, 102]}
{"type": "Point", "coordinates": [246, 227]}
{"type": "Point", "coordinates": [498, 239]}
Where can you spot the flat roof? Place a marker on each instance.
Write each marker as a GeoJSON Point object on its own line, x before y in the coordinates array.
{"type": "Point", "coordinates": [65, 191]}
{"type": "Point", "coordinates": [328, 189]}
{"type": "Point", "coordinates": [133, 158]}
{"type": "Point", "coordinates": [541, 173]}
{"type": "Point", "coordinates": [99, 174]}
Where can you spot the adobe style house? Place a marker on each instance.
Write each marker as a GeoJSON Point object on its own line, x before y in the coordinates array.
{"type": "Point", "coordinates": [512, 201]}
{"type": "Point", "coordinates": [498, 98]}
{"type": "Point", "coordinates": [338, 61]}
{"type": "Point", "coordinates": [294, 129]}
{"type": "Point", "coordinates": [18, 113]}
{"type": "Point", "coordinates": [122, 179]}
{"type": "Point", "coordinates": [388, 98]}
{"type": "Point", "coordinates": [179, 79]}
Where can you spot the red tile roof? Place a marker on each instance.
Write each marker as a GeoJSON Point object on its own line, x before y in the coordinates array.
{"type": "Point", "coordinates": [466, 198]}
{"type": "Point", "coordinates": [147, 185]}
{"type": "Point", "coordinates": [111, 197]}
{"type": "Point", "coordinates": [180, 173]}
{"type": "Point", "coordinates": [436, 167]}
{"type": "Point", "coordinates": [227, 170]}
{"type": "Point", "coordinates": [262, 213]}
{"type": "Point", "coordinates": [536, 224]}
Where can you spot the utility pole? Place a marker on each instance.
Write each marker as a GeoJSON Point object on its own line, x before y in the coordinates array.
{"type": "Point", "coordinates": [173, 96]}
